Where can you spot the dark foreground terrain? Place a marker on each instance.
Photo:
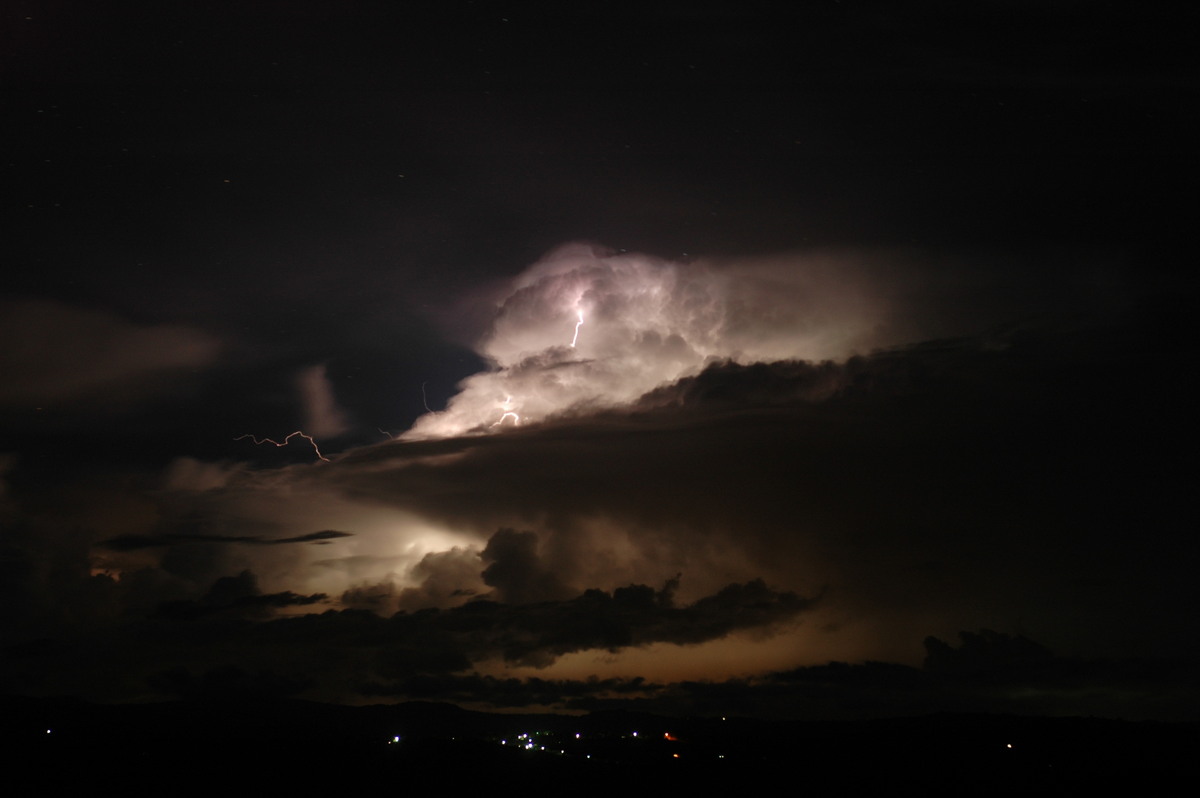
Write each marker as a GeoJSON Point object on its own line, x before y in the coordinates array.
{"type": "Point", "coordinates": [248, 747]}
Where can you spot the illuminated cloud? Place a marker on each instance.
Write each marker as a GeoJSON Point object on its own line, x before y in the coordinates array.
{"type": "Point", "coordinates": [439, 579]}
{"type": "Point", "coordinates": [586, 329]}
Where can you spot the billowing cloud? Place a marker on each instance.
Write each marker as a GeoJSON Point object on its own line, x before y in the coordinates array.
{"type": "Point", "coordinates": [533, 634]}
{"type": "Point", "coordinates": [234, 621]}
{"type": "Point", "coordinates": [515, 570]}
{"type": "Point", "coordinates": [439, 579]}
{"type": "Point", "coordinates": [588, 329]}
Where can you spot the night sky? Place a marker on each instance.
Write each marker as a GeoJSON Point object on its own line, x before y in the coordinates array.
{"type": "Point", "coordinates": [645, 358]}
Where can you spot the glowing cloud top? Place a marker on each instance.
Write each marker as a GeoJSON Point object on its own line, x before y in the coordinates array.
{"type": "Point", "coordinates": [586, 329]}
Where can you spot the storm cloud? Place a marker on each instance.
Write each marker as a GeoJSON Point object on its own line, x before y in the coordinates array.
{"type": "Point", "coordinates": [622, 360]}
{"type": "Point", "coordinates": [587, 328]}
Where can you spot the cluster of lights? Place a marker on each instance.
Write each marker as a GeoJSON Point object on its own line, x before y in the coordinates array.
{"type": "Point", "coordinates": [526, 741]}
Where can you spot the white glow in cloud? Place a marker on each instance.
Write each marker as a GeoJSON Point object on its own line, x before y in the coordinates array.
{"type": "Point", "coordinates": [228, 503]}
{"type": "Point", "coordinates": [587, 329]}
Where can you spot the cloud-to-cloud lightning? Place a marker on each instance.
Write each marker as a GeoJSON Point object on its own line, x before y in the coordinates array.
{"type": "Point", "coordinates": [284, 442]}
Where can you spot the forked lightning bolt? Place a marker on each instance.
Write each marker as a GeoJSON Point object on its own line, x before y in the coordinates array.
{"type": "Point", "coordinates": [284, 442]}
{"type": "Point", "coordinates": [507, 413]}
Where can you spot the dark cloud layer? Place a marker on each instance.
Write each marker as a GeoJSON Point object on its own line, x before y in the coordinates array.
{"type": "Point", "coordinates": [232, 622]}
{"type": "Point", "coordinates": [929, 475]}
{"type": "Point", "coordinates": [134, 542]}
{"type": "Point", "coordinates": [515, 570]}
{"type": "Point", "coordinates": [988, 672]}
{"type": "Point", "coordinates": [235, 595]}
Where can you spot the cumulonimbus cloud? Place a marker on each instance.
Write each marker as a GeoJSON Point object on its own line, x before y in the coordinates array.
{"type": "Point", "coordinates": [586, 329]}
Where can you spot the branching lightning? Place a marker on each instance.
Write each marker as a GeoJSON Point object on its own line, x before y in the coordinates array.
{"type": "Point", "coordinates": [506, 406]}
{"type": "Point", "coordinates": [284, 442]}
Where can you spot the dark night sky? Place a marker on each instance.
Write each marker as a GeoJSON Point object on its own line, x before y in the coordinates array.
{"type": "Point", "coordinates": [883, 322]}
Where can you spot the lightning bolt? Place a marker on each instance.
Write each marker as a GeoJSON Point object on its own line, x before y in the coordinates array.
{"type": "Point", "coordinates": [578, 324]}
{"type": "Point", "coordinates": [284, 442]}
{"type": "Point", "coordinates": [508, 413]}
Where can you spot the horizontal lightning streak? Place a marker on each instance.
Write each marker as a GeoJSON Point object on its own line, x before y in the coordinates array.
{"type": "Point", "coordinates": [284, 442]}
